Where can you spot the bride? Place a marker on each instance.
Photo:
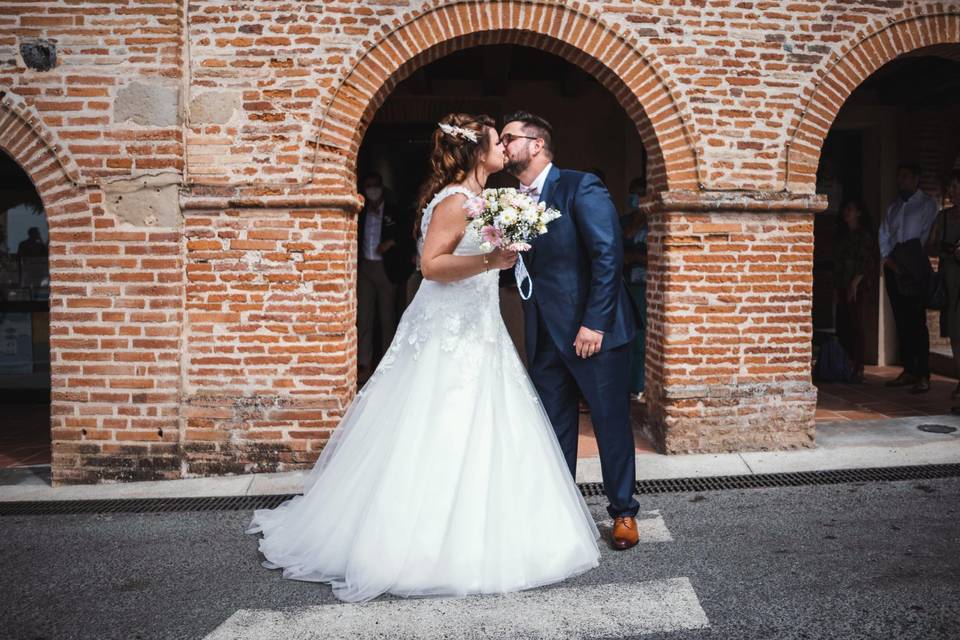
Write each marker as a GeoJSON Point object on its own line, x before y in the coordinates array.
{"type": "Point", "coordinates": [444, 476]}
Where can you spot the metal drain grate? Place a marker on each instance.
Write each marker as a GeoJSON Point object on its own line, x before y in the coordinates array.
{"type": "Point", "coordinates": [644, 487]}
{"type": "Point", "coordinates": [797, 479]}
{"type": "Point", "coordinates": [141, 505]}
{"type": "Point", "coordinates": [936, 428]}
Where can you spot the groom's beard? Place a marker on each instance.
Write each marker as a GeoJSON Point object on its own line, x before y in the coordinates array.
{"type": "Point", "coordinates": [516, 166]}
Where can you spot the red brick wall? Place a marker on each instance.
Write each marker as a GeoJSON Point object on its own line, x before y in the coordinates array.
{"type": "Point", "coordinates": [116, 287]}
{"type": "Point", "coordinates": [270, 335]}
{"type": "Point", "coordinates": [729, 323]}
{"type": "Point", "coordinates": [220, 338]}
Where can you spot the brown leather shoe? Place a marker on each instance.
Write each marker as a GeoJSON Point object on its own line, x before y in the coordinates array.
{"type": "Point", "coordinates": [625, 533]}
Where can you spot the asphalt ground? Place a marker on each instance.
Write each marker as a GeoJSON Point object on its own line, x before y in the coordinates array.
{"type": "Point", "coordinates": [860, 560]}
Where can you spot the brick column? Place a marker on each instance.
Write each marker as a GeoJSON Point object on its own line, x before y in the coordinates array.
{"type": "Point", "coordinates": [729, 327]}
{"type": "Point", "coordinates": [269, 335]}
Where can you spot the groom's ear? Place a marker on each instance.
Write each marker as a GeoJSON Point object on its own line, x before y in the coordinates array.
{"type": "Point", "coordinates": [537, 146]}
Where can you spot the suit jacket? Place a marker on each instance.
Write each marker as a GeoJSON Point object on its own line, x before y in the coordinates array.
{"type": "Point", "coordinates": [576, 267]}
{"type": "Point", "coordinates": [397, 260]}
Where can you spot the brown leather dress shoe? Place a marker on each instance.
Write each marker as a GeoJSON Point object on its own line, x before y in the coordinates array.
{"type": "Point", "coordinates": [625, 533]}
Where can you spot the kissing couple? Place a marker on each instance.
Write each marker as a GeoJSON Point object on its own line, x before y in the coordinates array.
{"type": "Point", "coordinates": [452, 471]}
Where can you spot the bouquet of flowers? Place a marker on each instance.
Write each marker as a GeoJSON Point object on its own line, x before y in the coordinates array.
{"type": "Point", "coordinates": [508, 219]}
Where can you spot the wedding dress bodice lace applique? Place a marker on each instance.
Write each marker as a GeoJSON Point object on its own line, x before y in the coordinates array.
{"type": "Point", "coordinates": [462, 316]}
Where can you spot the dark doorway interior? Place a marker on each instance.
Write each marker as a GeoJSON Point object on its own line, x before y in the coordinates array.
{"type": "Point", "coordinates": [907, 110]}
{"type": "Point", "coordinates": [592, 131]}
{"type": "Point", "coordinates": [24, 322]}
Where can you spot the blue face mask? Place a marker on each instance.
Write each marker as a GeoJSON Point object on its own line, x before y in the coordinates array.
{"type": "Point", "coordinates": [633, 201]}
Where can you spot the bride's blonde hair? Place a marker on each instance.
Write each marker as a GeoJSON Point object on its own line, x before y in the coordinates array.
{"type": "Point", "coordinates": [455, 154]}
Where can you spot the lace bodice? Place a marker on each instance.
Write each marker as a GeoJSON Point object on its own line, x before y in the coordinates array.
{"type": "Point", "coordinates": [461, 317]}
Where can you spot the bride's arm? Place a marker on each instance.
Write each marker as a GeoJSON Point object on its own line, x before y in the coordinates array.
{"type": "Point", "coordinates": [447, 226]}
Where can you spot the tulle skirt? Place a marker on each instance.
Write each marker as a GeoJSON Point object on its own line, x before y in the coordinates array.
{"type": "Point", "coordinates": [443, 478]}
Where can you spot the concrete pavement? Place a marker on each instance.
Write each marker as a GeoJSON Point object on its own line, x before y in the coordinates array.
{"type": "Point", "coordinates": [840, 445]}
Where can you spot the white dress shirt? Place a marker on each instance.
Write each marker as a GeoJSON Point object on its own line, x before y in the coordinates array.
{"type": "Point", "coordinates": [371, 233]}
{"type": "Point", "coordinates": [906, 220]}
{"type": "Point", "coordinates": [537, 184]}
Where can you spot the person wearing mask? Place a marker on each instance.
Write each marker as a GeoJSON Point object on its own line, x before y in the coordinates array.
{"type": "Point", "coordinates": [904, 232]}
{"type": "Point", "coordinates": [634, 224]}
{"type": "Point", "coordinates": [855, 263]}
{"type": "Point", "coordinates": [379, 270]}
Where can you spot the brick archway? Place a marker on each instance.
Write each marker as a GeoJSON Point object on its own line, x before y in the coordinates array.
{"type": "Point", "coordinates": [854, 63]}
{"type": "Point", "coordinates": [572, 33]}
{"type": "Point", "coordinates": [24, 138]}
{"type": "Point", "coordinates": [56, 178]}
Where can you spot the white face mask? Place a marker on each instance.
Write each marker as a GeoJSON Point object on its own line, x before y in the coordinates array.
{"type": "Point", "coordinates": [373, 193]}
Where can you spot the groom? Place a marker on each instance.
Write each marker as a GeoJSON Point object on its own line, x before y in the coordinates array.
{"type": "Point", "coordinates": [580, 320]}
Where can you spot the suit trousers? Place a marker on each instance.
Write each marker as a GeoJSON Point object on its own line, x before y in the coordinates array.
{"type": "Point", "coordinates": [376, 300]}
{"type": "Point", "coordinates": [910, 316]}
{"type": "Point", "coordinates": [603, 381]}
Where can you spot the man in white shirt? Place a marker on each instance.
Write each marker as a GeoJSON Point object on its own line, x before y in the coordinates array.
{"type": "Point", "coordinates": [904, 232]}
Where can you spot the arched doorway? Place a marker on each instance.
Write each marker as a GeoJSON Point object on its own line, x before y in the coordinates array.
{"type": "Point", "coordinates": [592, 132]}
{"type": "Point", "coordinates": [869, 115]}
{"type": "Point", "coordinates": [575, 34]}
{"type": "Point", "coordinates": [24, 323]}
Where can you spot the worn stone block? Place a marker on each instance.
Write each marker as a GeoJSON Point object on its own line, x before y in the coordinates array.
{"type": "Point", "coordinates": [147, 103]}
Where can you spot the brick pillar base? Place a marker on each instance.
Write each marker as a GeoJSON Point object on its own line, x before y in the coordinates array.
{"type": "Point", "coordinates": [729, 327]}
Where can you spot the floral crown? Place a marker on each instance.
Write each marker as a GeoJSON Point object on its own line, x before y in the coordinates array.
{"type": "Point", "coordinates": [458, 132]}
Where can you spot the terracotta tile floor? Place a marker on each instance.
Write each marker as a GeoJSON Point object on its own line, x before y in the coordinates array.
{"type": "Point", "coordinates": [24, 435]}
{"type": "Point", "coordinates": [587, 442]}
{"type": "Point", "coordinates": [873, 401]}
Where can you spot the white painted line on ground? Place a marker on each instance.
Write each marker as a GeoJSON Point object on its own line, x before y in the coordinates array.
{"type": "Point", "coordinates": [650, 526]}
{"type": "Point", "coordinates": [609, 610]}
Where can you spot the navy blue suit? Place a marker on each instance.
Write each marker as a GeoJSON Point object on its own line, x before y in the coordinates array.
{"type": "Point", "coordinates": [577, 281]}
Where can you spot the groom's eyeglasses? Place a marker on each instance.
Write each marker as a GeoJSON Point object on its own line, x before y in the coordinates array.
{"type": "Point", "coordinates": [507, 138]}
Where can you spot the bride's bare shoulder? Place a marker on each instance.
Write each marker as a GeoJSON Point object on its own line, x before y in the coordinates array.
{"type": "Point", "coordinates": [453, 203]}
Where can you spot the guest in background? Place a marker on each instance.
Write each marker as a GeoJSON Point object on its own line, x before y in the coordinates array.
{"type": "Point", "coordinates": [33, 246]}
{"type": "Point", "coordinates": [382, 266]}
{"type": "Point", "coordinates": [855, 263]}
{"type": "Point", "coordinates": [947, 242]}
{"type": "Point", "coordinates": [634, 224]}
{"type": "Point", "coordinates": [904, 232]}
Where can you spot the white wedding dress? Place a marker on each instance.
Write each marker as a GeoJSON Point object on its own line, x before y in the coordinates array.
{"type": "Point", "coordinates": [444, 476]}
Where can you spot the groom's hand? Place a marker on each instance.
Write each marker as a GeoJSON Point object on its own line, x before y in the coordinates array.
{"type": "Point", "coordinates": [588, 342]}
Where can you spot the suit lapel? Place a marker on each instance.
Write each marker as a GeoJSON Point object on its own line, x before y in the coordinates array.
{"type": "Point", "coordinates": [553, 176]}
